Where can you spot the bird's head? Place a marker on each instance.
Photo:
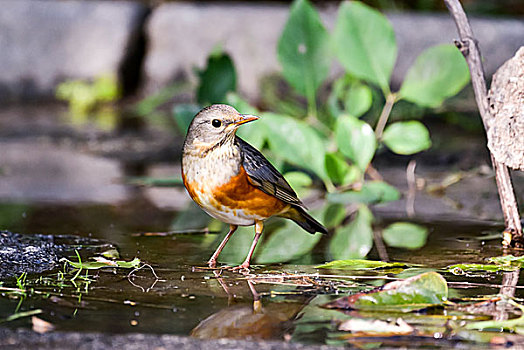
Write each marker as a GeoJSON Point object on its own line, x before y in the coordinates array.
{"type": "Point", "coordinates": [216, 124]}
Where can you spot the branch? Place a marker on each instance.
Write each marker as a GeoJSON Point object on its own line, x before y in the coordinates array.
{"type": "Point", "coordinates": [468, 46]}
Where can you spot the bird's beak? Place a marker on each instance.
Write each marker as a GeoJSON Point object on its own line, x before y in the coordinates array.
{"type": "Point", "coordinates": [245, 118]}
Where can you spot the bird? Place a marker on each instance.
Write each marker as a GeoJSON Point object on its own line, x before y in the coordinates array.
{"type": "Point", "coordinates": [233, 182]}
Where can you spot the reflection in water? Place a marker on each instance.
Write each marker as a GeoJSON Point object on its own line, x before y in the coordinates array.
{"type": "Point", "coordinates": [247, 321]}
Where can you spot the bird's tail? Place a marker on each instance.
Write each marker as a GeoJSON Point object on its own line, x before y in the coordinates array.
{"type": "Point", "coordinates": [304, 220]}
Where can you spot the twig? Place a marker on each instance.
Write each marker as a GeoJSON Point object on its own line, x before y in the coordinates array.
{"type": "Point", "coordinates": [379, 244]}
{"type": "Point", "coordinates": [144, 290]}
{"type": "Point", "coordinates": [412, 188]}
{"type": "Point", "coordinates": [468, 46]}
{"type": "Point", "coordinates": [386, 111]}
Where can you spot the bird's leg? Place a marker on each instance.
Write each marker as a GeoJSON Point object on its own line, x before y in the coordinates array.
{"type": "Point", "coordinates": [259, 225]}
{"type": "Point", "coordinates": [213, 260]}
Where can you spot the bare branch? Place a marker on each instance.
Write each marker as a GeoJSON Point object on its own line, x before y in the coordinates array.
{"type": "Point", "coordinates": [467, 44]}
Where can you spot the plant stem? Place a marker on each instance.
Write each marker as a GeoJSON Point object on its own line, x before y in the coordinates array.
{"type": "Point", "coordinates": [312, 105]}
{"type": "Point", "coordinates": [467, 44]}
{"type": "Point", "coordinates": [391, 98]}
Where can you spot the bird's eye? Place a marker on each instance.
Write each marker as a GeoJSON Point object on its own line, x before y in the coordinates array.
{"type": "Point", "coordinates": [216, 123]}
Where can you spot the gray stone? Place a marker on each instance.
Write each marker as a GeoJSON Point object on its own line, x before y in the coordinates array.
{"type": "Point", "coordinates": [45, 42]}
{"type": "Point", "coordinates": [506, 102]}
{"type": "Point", "coordinates": [181, 35]}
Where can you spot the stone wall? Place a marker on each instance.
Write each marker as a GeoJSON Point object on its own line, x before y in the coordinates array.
{"type": "Point", "coordinates": [45, 42]}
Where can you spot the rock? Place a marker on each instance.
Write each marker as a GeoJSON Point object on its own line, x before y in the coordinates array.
{"type": "Point", "coordinates": [181, 35]}
{"type": "Point", "coordinates": [24, 253]}
{"type": "Point", "coordinates": [506, 103]}
{"type": "Point", "coordinates": [46, 42]}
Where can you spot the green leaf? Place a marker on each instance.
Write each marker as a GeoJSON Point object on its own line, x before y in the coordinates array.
{"type": "Point", "coordinates": [356, 140]}
{"type": "Point", "coordinates": [355, 240]}
{"type": "Point", "coordinates": [372, 192]}
{"type": "Point", "coordinates": [303, 49]}
{"type": "Point", "coordinates": [358, 99]}
{"type": "Point", "coordinates": [414, 293]}
{"type": "Point", "coordinates": [334, 214]}
{"type": "Point", "coordinates": [405, 235]}
{"type": "Point", "coordinates": [287, 243]}
{"type": "Point", "coordinates": [336, 168]}
{"type": "Point", "coordinates": [460, 269]}
{"type": "Point", "coordinates": [360, 264]}
{"type": "Point", "coordinates": [438, 73]}
{"type": "Point", "coordinates": [217, 79]}
{"type": "Point", "coordinates": [298, 179]}
{"type": "Point", "coordinates": [183, 115]}
{"type": "Point", "coordinates": [364, 43]}
{"type": "Point", "coordinates": [508, 260]}
{"type": "Point", "coordinates": [407, 137]}
{"type": "Point", "coordinates": [296, 142]}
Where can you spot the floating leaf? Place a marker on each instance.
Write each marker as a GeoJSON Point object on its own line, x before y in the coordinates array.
{"type": "Point", "coordinates": [303, 49]}
{"type": "Point", "coordinates": [406, 137]}
{"type": "Point", "coordinates": [360, 264]}
{"type": "Point", "coordinates": [296, 142]}
{"type": "Point", "coordinates": [372, 192]}
{"type": "Point", "coordinates": [358, 99]}
{"type": "Point", "coordinates": [356, 140]}
{"type": "Point", "coordinates": [364, 43]}
{"type": "Point", "coordinates": [103, 262]}
{"type": "Point", "coordinates": [405, 235]}
{"type": "Point", "coordinates": [355, 240]}
{"type": "Point", "coordinates": [460, 269]}
{"type": "Point", "coordinates": [414, 293]}
{"type": "Point", "coordinates": [217, 79]}
{"type": "Point", "coordinates": [438, 73]}
{"type": "Point", "coordinates": [286, 244]}
{"type": "Point", "coordinates": [508, 260]}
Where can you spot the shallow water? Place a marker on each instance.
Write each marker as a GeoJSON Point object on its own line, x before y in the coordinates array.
{"type": "Point", "coordinates": [274, 302]}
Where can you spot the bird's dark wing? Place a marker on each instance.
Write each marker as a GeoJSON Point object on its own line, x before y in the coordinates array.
{"type": "Point", "coordinates": [264, 175]}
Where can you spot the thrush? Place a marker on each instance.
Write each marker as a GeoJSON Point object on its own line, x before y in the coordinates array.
{"type": "Point", "coordinates": [232, 181]}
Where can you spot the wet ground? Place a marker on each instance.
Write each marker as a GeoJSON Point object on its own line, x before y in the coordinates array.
{"type": "Point", "coordinates": [171, 295]}
{"type": "Point", "coordinates": [77, 200]}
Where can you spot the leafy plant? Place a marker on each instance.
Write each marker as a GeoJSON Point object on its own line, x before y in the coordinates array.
{"type": "Point", "coordinates": [335, 142]}
{"type": "Point", "coordinates": [94, 99]}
